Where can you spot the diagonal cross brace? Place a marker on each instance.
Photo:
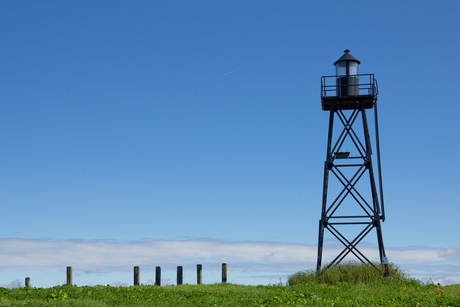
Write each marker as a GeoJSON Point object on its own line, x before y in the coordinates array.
{"type": "Point", "coordinates": [349, 189]}
{"type": "Point", "coordinates": [350, 246]}
{"type": "Point", "coordinates": [348, 131]}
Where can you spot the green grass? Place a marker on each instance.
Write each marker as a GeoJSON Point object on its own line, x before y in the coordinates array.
{"type": "Point", "coordinates": [348, 272]}
{"type": "Point", "coordinates": [390, 292]}
{"type": "Point", "coordinates": [347, 284]}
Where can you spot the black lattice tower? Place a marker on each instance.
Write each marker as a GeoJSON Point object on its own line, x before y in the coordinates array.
{"type": "Point", "coordinates": [352, 205]}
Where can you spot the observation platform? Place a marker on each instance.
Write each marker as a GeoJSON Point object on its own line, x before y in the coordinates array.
{"type": "Point", "coordinates": [348, 91]}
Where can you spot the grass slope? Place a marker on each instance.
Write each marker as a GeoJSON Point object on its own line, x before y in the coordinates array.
{"type": "Point", "coordinates": [351, 271]}
{"type": "Point", "coordinates": [345, 284]}
{"type": "Point", "coordinates": [381, 293]}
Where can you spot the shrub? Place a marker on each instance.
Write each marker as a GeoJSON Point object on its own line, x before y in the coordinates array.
{"type": "Point", "coordinates": [352, 271]}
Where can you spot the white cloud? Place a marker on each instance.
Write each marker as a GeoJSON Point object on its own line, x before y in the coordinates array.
{"type": "Point", "coordinates": [90, 255]}
{"type": "Point", "coordinates": [424, 254]}
{"type": "Point", "coordinates": [260, 258]}
{"type": "Point", "coordinates": [13, 284]}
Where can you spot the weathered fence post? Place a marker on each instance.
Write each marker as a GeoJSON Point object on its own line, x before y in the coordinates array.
{"type": "Point", "coordinates": [199, 274]}
{"type": "Point", "coordinates": [224, 272]}
{"type": "Point", "coordinates": [136, 276]}
{"type": "Point", "coordinates": [179, 275]}
{"type": "Point", "coordinates": [158, 276]}
{"type": "Point", "coordinates": [27, 282]}
{"type": "Point", "coordinates": [69, 275]}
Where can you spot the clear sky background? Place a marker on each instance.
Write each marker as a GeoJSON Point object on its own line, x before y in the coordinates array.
{"type": "Point", "coordinates": [165, 133]}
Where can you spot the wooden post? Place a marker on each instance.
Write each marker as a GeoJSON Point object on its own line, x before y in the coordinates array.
{"type": "Point", "coordinates": [69, 275]}
{"type": "Point", "coordinates": [199, 274]}
{"type": "Point", "coordinates": [224, 272]}
{"type": "Point", "coordinates": [179, 275]}
{"type": "Point", "coordinates": [136, 276]}
{"type": "Point", "coordinates": [158, 276]}
{"type": "Point", "coordinates": [27, 282]}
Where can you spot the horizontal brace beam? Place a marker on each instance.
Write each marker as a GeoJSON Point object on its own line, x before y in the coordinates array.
{"type": "Point", "coordinates": [350, 223]}
{"type": "Point", "coordinates": [354, 157]}
{"type": "Point", "coordinates": [340, 165]}
{"type": "Point", "coordinates": [347, 216]}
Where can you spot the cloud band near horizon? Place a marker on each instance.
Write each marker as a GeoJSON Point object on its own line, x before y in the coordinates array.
{"type": "Point", "coordinates": [101, 256]}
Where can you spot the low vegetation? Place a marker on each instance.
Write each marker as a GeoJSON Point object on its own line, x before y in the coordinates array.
{"type": "Point", "coordinates": [353, 272]}
{"type": "Point", "coordinates": [339, 286]}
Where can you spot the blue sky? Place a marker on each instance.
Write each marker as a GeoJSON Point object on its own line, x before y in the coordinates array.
{"type": "Point", "coordinates": [128, 125]}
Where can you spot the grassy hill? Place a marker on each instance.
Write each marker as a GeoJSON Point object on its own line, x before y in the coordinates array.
{"type": "Point", "coordinates": [348, 284]}
{"type": "Point", "coordinates": [381, 293]}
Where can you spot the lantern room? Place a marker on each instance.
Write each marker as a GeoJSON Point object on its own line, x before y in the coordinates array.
{"type": "Point", "coordinates": [346, 70]}
{"type": "Point", "coordinates": [347, 87]}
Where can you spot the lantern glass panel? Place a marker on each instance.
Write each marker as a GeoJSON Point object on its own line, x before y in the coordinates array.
{"type": "Point", "coordinates": [353, 67]}
{"type": "Point", "coordinates": [341, 69]}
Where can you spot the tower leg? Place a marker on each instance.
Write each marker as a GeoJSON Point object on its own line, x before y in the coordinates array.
{"type": "Point", "coordinates": [382, 249]}
{"type": "Point", "coordinates": [320, 246]}
{"type": "Point", "coordinates": [323, 220]}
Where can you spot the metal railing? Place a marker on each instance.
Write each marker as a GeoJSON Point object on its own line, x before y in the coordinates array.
{"type": "Point", "coordinates": [349, 86]}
